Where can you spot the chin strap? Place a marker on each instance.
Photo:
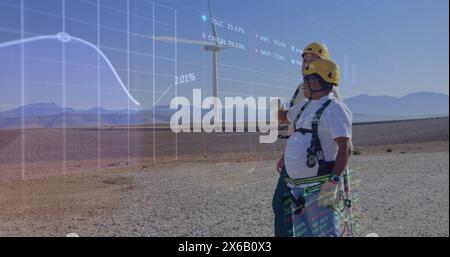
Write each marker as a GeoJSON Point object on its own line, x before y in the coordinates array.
{"type": "Point", "coordinates": [312, 91]}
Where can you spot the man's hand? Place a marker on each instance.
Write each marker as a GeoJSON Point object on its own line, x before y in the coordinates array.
{"type": "Point", "coordinates": [282, 119]}
{"type": "Point", "coordinates": [328, 194]}
{"type": "Point", "coordinates": [280, 165]}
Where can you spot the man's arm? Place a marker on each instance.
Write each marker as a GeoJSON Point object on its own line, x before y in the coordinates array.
{"type": "Point", "coordinates": [342, 155]}
{"type": "Point", "coordinates": [328, 192]}
{"type": "Point", "coordinates": [282, 119]}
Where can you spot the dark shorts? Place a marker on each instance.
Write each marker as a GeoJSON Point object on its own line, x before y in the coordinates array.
{"type": "Point", "coordinates": [282, 228]}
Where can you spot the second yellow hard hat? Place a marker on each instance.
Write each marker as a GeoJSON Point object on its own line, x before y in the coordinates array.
{"type": "Point", "coordinates": [317, 49]}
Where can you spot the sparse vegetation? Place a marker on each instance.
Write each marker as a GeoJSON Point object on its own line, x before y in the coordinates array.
{"type": "Point", "coordinates": [356, 152]}
{"type": "Point", "coordinates": [120, 180]}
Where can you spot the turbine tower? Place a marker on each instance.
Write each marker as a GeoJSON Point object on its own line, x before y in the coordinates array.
{"type": "Point", "coordinates": [215, 49]}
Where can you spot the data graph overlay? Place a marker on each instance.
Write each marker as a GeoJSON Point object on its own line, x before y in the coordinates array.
{"type": "Point", "coordinates": [66, 38]}
{"type": "Point", "coordinates": [96, 77]}
{"type": "Point", "coordinates": [66, 66]}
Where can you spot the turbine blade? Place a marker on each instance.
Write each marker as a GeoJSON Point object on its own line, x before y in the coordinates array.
{"type": "Point", "coordinates": [182, 40]}
{"type": "Point", "coordinates": [214, 30]}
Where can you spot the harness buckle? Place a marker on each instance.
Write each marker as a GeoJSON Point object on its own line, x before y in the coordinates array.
{"type": "Point", "coordinates": [300, 204]}
{"type": "Point", "coordinates": [348, 203]}
{"type": "Point", "coordinates": [311, 158]}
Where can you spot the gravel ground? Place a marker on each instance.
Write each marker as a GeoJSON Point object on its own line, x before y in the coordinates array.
{"type": "Point", "coordinates": [400, 194]}
{"type": "Point", "coordinates": [405, 194]}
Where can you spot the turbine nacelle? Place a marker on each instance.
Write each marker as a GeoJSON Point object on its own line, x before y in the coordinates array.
{"type": "Point", "coordinates": [213, 48]}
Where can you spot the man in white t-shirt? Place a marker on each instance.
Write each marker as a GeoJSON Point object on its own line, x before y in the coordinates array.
{"type": "Point", "coordinates": [335, 122]}
{"type": "Point", "coordinates": [316, 155]}
{"type": "Point", "coordinates": [310, 53]}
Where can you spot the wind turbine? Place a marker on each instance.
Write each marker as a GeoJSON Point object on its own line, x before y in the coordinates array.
{"type": "Point", "coordinates": [214, 47]}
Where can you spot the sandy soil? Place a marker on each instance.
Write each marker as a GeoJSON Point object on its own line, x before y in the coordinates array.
{"type": "Point", "coordinates": [403, 191]}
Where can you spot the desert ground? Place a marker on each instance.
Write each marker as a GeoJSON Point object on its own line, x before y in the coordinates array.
{"type": "Point", "coordinates": [149, 182]}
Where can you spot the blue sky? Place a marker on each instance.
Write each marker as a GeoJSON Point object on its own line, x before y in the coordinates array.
{"type": "Point", "coordinates": [383, 47]}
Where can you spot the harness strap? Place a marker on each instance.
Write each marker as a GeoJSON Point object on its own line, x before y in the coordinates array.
{"type": "Point", "coordinates": [299, 114]}
{"type": "Point", "coordinates": [308, 180]}
{"type": "Point", "coordinates": [312, 184]}
{"type": "Point", "coordinates": [292, 102]}
{"type": "Point", "coordinates": [303, 130]}
{"type": "Point", "coordinates": [316, 147]}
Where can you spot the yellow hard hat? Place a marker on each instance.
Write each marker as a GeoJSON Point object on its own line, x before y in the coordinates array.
{"type": "Point", "coordinates": [317, 49]}
{"type": "Point", "coordinates": [326, 69]}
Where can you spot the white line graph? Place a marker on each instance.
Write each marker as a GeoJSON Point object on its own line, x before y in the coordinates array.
{"type": "Point", "coordinates": [66, 38]}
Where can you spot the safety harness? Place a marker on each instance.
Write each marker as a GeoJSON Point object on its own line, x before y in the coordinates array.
{"type": "Point", "coordinates": [315, 152]}
{"type": "Point", "coordinates": [315, 155]}
{"type": "Point", "coordinates": [309, 185]}
{"type": "Point", "coordinates": [312, 184]}
{"type": "Point", "coordinates": [343, 207]}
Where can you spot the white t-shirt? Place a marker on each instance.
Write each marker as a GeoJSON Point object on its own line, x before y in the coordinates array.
{"type": "Point", "coordinates": [336, 121]}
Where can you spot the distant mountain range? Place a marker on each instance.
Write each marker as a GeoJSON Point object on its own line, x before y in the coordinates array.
{"type": "Point", "coordinates": [416, 104]}
{"type": "Point", "coordinates": [45, 109]}
{"type": "Point", "coordinates": [365, 108]}
{"type": "Point", "coordinates": [50, 115]}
